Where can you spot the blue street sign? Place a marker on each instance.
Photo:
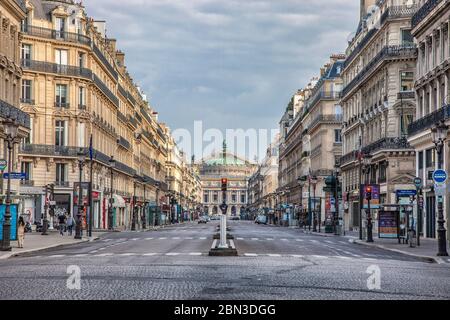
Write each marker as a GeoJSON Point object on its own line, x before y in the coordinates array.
{"type": "Point", "coordinates": [406, 193]}
{"type": "Point", "coordinates": [440, 176]}
{"type": "Point", "coordinates": [15, 175]}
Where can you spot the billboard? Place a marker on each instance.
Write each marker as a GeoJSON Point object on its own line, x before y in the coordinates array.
{"type": "Point", "coordinates": [388, 224]}
{"type": "Point", "coordinates": [375, 201]}
{"type": "Point", "coordinates": [13, 221]}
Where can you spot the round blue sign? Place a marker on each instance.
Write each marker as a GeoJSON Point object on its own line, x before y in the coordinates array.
{"type": "Point", "coordinates": [440, 176]}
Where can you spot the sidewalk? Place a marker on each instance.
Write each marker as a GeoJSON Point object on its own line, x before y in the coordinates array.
{"type": "Point", "coordinates": [427, 250]}
{"type": "Point", "coordinates": [35, 242]}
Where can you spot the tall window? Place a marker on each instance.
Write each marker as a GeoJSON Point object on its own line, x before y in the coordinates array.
{"type": "Point", "coordinates": [205, 198]}
{"type": "Point", "coordinates": [60, 27]}
{"type": "Point", "coordinates": [25, 167]}
{"type": "Point", "coordinates": [60, 173]}
{"type": "Point", "coordinates": [429, 158]}
{"type": "Point", "coordinates": [61, 96]}
{"type": "Point", "coordinates": [406, 81]}
{"type": "Point", "coordinates": [215, 197]}
{"type": "Point", "coordinates": [82, 97]}
{"type": "Point", "coordinates": [405, 121]}
{"type": "Point", "coordinates": [233, 197]}
{"type": "Point", "coordinates": [242, 198]}
{"type": "Point", "coordinates": [81, 59]}
{"type": "Point", "coordinates": [337, 136]}
{"type": "Point", "coordinates": [407, 38]}
{"type": "Point", "coordinates": [26, 91]}
{"type": "Point", "coordinates": [60, 133]}
{"type": "Point", "coordinates": [26, 52]}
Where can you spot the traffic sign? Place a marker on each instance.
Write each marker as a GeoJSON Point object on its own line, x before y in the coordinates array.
{"type": "Point", "coordinates": [440, 189]}
{"type": "Point", "coordinates": [418, 182]}
{"type": "Point", "coordinates": [440, 176]}
{"type": "Point", "coordinates": [3, 164]}
{"type": "Point", "coordinates": [406, 193]}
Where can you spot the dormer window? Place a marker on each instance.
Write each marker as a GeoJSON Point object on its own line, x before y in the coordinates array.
{"type": "Point", "coordinates": [60, 26]}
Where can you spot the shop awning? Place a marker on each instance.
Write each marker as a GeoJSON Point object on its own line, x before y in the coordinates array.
{"type": "Point", "coordinates": [119, 202]}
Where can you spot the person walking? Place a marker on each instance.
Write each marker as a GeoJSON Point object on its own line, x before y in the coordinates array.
{"type": "Point", "coordinates": [21, 232]}
{"type": "Point", "coordinates": [62, 223]}
{"type": "Point", "coordinates": [70, 224]}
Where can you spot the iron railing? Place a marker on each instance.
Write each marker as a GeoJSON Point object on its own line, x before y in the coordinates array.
{"type": "Point", "coordinates": [105, 61]}
{"type": "Point", "coordinates": [404, 95]}
{"type": "Point", "coordinates": [424, 11]}
{"type": "Point", "coordinates": [50, 150]}
{"type": "Point", "coordinates": [429, 120]}
{"type": "Point", "coordinates": [387, 144]}
{"type": "Point", "coordinates": [64, 70]}
{"type": "Point", "coordinates": [56, 35]}
{"type": "Point", "coordinates": [27, 101]}
{"type": "Point", "coordinates": [124, 143]}
{"type": "Point", "coordinates": [388, 52]}
{"type": "Point", "coordinates": [133, 121]}
{"type": "Point", "coordinates": [13, 113]}
{"type": "Point", "coordinates": [64, 105]}
{"type": "Point", "coordinates": [108, 93]}
{"type": "Point", "coordinates": [327, 118]}
{"type": "Point", "coordinates": [121, 117]}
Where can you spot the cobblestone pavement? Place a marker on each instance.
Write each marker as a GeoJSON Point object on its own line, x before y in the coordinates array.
{"type": "Point", "coordinates": [173, 263]}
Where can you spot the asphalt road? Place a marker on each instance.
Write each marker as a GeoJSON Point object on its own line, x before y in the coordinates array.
{"type": "Point", "coordinates": [173, 263]}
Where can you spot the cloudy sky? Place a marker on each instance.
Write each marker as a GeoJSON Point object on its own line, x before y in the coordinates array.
{"type": "Point", "coordinates": [230, 63]}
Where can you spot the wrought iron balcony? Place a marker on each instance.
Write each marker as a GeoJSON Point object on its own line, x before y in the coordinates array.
{"type": "Point", "coordinates": [329, 118]}
{"type": "Point", "coordinates": [388, 52]}
{"type": "Point", "coordinates": [9, 111]}
{"type": "Point", "coordinates": [50, 150]}
{"type": "Point", "coordinates": [57, 35]}
{"type": "Point", "coordinates": [47, 67]}
{"type": "Point", "coordinates": [429, 120]}
{"type": "Point", "coordinates": [27, 101]}
{"type": "Point", "coordinates": [144, 113]}
{"type": "Point", "coordinates": [404, 95]}
{"type": "Point", "coordinates": [132, 121]}
{"type": "Point", "coordinates": [121, 117]}
{"type": "Point", "coordinates": [64, 105]}
{"type": "Point", "coordinates": [121, 141]}
{"type": "Point", "coordinates": [387, 144]}
{"type": "Point", "coordinates": [105, 61]}
{"type": "Point", "coordinates": [138, 117]}
{"type": "Point", "coordinates": [424, 11]}
{"type": "Point", "coordinates": [349, 157]}
{"type": "Point", "coordinates": [108, 93]}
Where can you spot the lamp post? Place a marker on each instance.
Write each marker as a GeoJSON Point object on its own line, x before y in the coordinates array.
{"type": "Point", "coordinates": [144, 215]}
{"type": "Point", "coordinates": [366, 170]}
{"type": "Point", "coordinates": [439, 135]}
{"type": "Point", "coordinates": [336, 198]}
{"type": "Point", "coordinates": [11, 130]}
{"type": "Point", "coordinates": [112, 164]}
{"type": "Point", "coordinates": [314, 184]}
{"type": "Point", "coordinates": [301, 183]}
{"type": "Point", "coordinates": [133, 222]}
{"type": "Point", "coordinates": [157, 184]}
{"type": "Point", "coordinates": [81, 158]}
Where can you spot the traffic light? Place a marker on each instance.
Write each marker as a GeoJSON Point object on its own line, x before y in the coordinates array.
{"type": "Point", "coordinates": [224, 184]}
{"type": "Point", "coordinates": [369, 193]}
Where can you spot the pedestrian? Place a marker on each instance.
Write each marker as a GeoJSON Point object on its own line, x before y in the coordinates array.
{"type": "Point", "coordinates": [70, 224]}
{"type": "Point", "coordinates": [62, 223]}
{"type": "Point", "coordinates": [21, 232]}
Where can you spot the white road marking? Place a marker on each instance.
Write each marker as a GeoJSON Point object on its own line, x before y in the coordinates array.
{"type": "Point", "coordinates": [328, 241]}
{"type": "Point", "coordinates": [176, 238]}
{"type": "Point", "coordinates": [314, 241]}
{"type": "Point", "coordinates": [127, 254]}
{"type": "Point", "coordinates": [202, 238]}
{"type": "Point", "coordinates": [232, 244]}
{"type": "Point", "coordinates": [172, 254]}
{"type": "Point", "coordinates": [214, 244]}
{"type": "Point", "coordinates": [284, 239]}
{"type": "Point", "coordinates": [148, 238]}
{"type": "Point", "coordinates": [369, 259]}
{"type": "Point", "coordinates": [162, 238]}
{"type": "Point", "coordinates": [320, 257]}
{"type": "Point", "coordinates": [94, 251]}
{"type": "Point", "coordinates": [195, 254]}
{"type": "Point", "coordinates": [134, 239]}
{"type": "Point", "coordinates": [104, 255]}
{"type": "Point", "coordinates": [343, 242]}
{"type": "Point", "coordinates": [274, 255]}
{"type": "Point", "coordinates": [296, 256]}
{"type": "Point", "coordinates": [188, 238]}
{"type": "Point", "coordinates": [255, 239]}
{"type": "Point", "coordinates": [239, 238]}
{"type": "Point", "coordinates": [269, 239]}
{"type": "Point", "coordinates": [343, 257]}
{"type": "Point", "coordinates": [250, 254]}
{"type": "Point", "coordinates": [81, 255]}
{"type": "Point", "coordinates": [57, 256]}
{"type": "Point", "coordinates": [149, 254]}
{"type": "Point", "coordinates": [299, 240]}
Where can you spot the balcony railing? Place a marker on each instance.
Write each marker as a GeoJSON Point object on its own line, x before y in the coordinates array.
{"type": "Point", "coordinates": [424, 11]}
{"type": "Point", "coordinates": [9, 111]}
{"type": "Point", "coordinates": [27, 101]}
{"type": "Point", "coordinates": [57, 35]}
{"type": "Point", "coordinates": [105, 61]}
{"type": "Point", "coordinates": [50, 150]}
{"type": "Point", "coordinates": [64, 105]}
{"type": "Point", "coordinates": [47, 67]}
{"type": "Point", "coordinates": [121, 117]}
{"type": "Point", "coordinates": [328, 118]}
{"type": "Point", "coordinates": [429, 120]}
{"type": "Point", "coordinates": [388, 52]}
{"type": "Point", "coordinates": [124, 143]}
{"type": "Point", "coordinates": [404, 95]}
{"type": "Point", "coordinates": [108, 93]}
{"type": "Point", "coordinates": [349, 157]}
{"type": "Point", "coordinates": [387, 144]}
{"type": "Point", "coordinates": [133, 121]}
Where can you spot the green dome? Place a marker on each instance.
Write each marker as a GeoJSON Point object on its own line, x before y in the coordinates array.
{"type": "Point", "coordinates": [228, 160]}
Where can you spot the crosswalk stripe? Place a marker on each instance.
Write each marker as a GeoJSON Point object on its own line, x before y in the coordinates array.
{"type": "Point", "coordinates": [274, 255]}
{"type": "Point", "coordinates": [343, 242]}
{"type": "Point", "coordinates": [57, 256]}
{"type": "Point", "coordinates": [104, 255]}
{"type": "Point", "coordinates": [172, 254]}
{"type": "Point", "coordinates": [148, 238]}
{"type": "Point", "coordinates": [162, 238]}
{"type": "Point", "coordinates": [269, 239]}
{"type": "Point", "coordinates": [195, 254]}
{"type": "Point", "coordinates": [149, 254]}
{"type": "Point", "coordinates": [188, 238]}
{"type": "Point", "coordinates": [239, 238]}
{"type": "Point", "coordinates": [296, 256]}
{"type": "Point", "coordinates": [344, 257]}
{"type": "Point", "coordinates": [284, 239]}
{"type": "Point", "coordinates": [319, 257]}
{"type": "Point", "coordinates": [176, 238]}
{"type": "Point", "coordinates": [250, 254]}
{"type": "Point", "coordinates": [127, 254]}
{"type": "Point", "coordinates": [299, 240]}
{"type": "Point", "coordinates": [255, 239]}
{"type": "Point", "coordinates": [134, 239]}
{"type": "Point", "coordinates": [80, 255]}
{"type": "Point", "coordinates": [328, 241]}
{"type": "Point", "coordinates": [202, 238]}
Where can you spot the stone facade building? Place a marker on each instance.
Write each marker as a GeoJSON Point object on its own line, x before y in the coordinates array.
{"type": "Point", "coordinates": [11, 14]}
{"type": "Point", "coordinates": [430, 28]}
{"type": "Point", "coordinates": [378, 105]}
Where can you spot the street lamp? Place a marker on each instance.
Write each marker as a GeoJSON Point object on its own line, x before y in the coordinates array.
{"type": "Point", "coordinates": [301, 183]}
{"type": "Point", "coordinates": [368, 190]}
{"type": "Point", "coordinates": [81, 158]}
{"type": "Point", "coordinates": [439, 135]}
{"type": "Point", "coordinates": [336, 197]}
{"type": "Point", "coordinates": [11, 130]}
{"type": "Point", "coordinates": [313, 181]}
{"type": "Point", "coordinates": [112, 164]}
{"type": "Point", "coordinates": [133, 222]}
